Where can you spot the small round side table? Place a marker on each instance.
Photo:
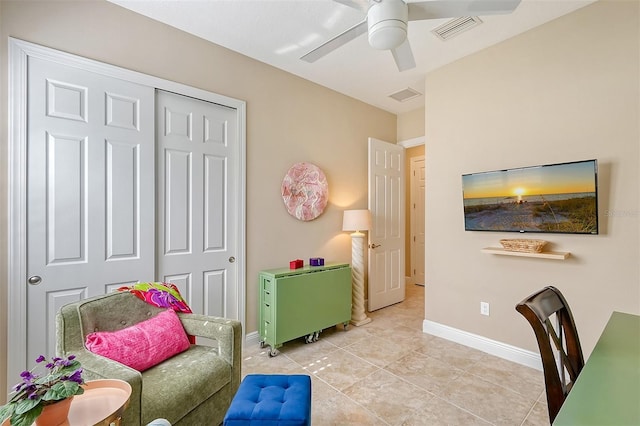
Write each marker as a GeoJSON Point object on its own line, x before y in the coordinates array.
{"type": "Point", "coordinates": [102, 403]}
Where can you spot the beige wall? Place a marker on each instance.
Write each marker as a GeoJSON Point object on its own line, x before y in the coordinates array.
{"type": "Point", "coordinates": [288, 120]}
{"type": "Point", "coordinates": [411, 125]}
{"type": "Point", "coordinates": [568, 90]}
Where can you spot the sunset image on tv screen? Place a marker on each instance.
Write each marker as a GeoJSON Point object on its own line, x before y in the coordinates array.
{"type": "Point", "coordinates": [552, 198]}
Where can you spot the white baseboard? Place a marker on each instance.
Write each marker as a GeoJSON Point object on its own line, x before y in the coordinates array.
{"type": "Point", "coordinates": [493, 347]}
{"type": "Point", "coordinates": [252, 338]}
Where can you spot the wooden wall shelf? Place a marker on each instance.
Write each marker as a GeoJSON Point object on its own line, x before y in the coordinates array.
{"type": "Point", "coordinates": [560, 255]}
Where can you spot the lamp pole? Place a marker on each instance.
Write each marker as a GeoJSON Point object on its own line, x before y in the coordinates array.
{"type": "Point", "coordinates": [357, 220]}
{"type": "Point", "coordinates": [358, 315]}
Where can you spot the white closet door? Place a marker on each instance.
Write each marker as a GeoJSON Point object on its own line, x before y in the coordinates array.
{"type": "Point", "coordinates": [90, 191]}
{"type": "Point", "coordinates": [197, 199]}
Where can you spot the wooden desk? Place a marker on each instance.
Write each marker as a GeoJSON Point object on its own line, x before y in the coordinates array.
{"type": "Point", "coordinates": [607, 391]}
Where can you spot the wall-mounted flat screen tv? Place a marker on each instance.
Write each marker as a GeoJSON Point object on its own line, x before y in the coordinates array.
{"type": "Point", "coordinates": [553, 198]}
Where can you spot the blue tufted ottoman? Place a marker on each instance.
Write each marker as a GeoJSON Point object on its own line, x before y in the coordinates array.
{"type": "Point", "coordinates": [271, 400]}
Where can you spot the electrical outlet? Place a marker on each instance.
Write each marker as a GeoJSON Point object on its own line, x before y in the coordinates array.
{"type": "Point", "coordinates": [484, 308]}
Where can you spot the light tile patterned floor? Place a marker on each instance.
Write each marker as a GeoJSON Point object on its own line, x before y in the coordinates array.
{"type": "Point", "coordinates": [389, 372]}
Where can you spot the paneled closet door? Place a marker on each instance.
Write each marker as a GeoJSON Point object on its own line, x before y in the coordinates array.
{"type": "Point", "coordinates": [90, 191]}
{"type": "Point", "coordinates": [197, 199]}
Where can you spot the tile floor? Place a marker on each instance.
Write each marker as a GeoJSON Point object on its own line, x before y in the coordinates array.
{"type": "Point", "coordinates": [389, 372]}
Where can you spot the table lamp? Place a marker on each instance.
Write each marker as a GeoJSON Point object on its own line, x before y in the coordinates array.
{"type": "Point", "coordinates": [357, 220]}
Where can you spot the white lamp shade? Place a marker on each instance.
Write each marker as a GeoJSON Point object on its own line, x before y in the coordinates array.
{"type": "Point", "coordinates": [356, 220]}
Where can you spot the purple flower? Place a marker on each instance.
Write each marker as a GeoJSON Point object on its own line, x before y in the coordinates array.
{"type": "Point", "coordinates": [26, 375]}
{"type": "Point", "coordinates": [76, 376]}
{"type": "Point", "coordinates": [34, 386]}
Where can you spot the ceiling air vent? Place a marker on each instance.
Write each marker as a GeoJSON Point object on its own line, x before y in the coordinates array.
{"type": "Point", "coordinates": [456, 26]}
{"type": "Point", "coordinates": [405, 94]}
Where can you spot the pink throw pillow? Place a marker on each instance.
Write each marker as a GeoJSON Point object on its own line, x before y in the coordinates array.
{"type": "Point", "coordinates": [143, 345]}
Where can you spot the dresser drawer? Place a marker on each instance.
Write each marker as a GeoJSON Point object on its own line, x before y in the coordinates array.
{"type": "Point", "coordinates": [266, 331]}
{"type": "Point", "coordinates": [267, 285]}
{"type": "Point", "coordinates": [267, 312]}
{"type": "Point", "coordinates": [267, 297]}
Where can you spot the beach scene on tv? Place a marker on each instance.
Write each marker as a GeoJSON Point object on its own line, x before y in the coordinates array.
{"type": "Point", "coordinates": [555, 198]}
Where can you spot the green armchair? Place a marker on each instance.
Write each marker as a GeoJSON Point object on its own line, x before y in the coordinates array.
{"type": "Point", "coordinates": [192, 388]}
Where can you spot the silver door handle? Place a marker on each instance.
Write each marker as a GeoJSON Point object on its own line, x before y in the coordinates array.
{"type": "Point", "coordinates": [34, 280]}
{"type": "Point", "coordinates": [373, 245]}
{"type": "Point", "coordinates": [232, 259]}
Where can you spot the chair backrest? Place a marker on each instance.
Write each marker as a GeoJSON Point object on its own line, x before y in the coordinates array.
{"type": "Point", "coordinates": [113, 311]}
{"type": "Point", "coordinates": [107, 312]}
{"type": "Point", "coordinates": [559, 345]}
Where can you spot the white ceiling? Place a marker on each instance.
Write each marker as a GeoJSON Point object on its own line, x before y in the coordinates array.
{"type": "Point", "coordinates": [279, 32]}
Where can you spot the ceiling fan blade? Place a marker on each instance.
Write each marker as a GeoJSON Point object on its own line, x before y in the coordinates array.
{"type": "Point", "coordinates": [361, 5]}
{"type": "Point", "coordinates": [437, 9]}
{"type": "Point", "coordinates": [336, 42]}
{"type": "Point", "coordinates": [404, 56]}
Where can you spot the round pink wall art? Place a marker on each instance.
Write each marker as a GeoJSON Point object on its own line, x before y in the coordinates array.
{"type": "Point", "coordinates": [305, 191]}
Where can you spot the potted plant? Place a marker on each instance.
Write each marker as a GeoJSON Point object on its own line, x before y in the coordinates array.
{"type": "Point", "coordinates": [60, 381]}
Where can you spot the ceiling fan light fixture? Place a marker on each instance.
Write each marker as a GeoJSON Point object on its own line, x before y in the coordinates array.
{"type": "Point", "coordinates": [387, 35]}
{"type": "Point", "coordinates": [387, 24]}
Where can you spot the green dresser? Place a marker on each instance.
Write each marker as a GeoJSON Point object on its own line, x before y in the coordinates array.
{"type": "Point", "coordinates": [302, 302]}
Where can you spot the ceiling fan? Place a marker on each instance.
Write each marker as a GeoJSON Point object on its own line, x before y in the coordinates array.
{"type": "Point", "coordinates": [386, 23]}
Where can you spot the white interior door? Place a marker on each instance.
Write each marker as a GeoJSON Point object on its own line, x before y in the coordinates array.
{"type": "Point", "coordinates": [417, 219]}
{"type": "Point", "coordinates": [197, 143]}
{"type": "Point", "coordinates": [386, 236]}
{"type": "Point", "coordinates": [90, 180]}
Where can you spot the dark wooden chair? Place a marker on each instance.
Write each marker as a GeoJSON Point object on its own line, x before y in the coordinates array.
{"type": "Point", "coordinates": [559, 345]}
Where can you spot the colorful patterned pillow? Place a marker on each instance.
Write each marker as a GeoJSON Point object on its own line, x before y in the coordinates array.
{"type": "Point", "coordinates": [162, 295]}
{"type": "Point", "coordinates": [142, 345]}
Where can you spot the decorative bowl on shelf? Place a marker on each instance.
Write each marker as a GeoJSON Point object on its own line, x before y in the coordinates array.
{"type": "Point", "coordinates": [523, 245]}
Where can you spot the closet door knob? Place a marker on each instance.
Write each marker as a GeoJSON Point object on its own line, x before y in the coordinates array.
{"type": "Point", "coordinates": [232, 259]}
{"type": "Point", "coordinates": [34, 280]}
